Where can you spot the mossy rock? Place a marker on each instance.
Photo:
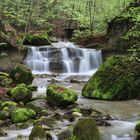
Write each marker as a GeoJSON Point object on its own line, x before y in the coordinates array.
{"type": "Point", "coordinates": [32, 87]}
{"type": "Point", "coordinates": [4, 115]}
{"type": "Point", "coordinates": [8, 104]}
{"type": "Point", "coordinates": [86, 129]}
{"type": "Point", "coordinates": [21, 94]}
{"type": "Point", "coordinates": [117, 79]}
{"type": "Point", "coordinates": [5, 80]}
{"type": "Point", "coordinates": [37, 133]}
{"type": "Point", "coordinates": [22, 115]}
{"type": "Point", "coordinates": [22, 74]}
{"type": "Point", "coordinates": [60, 96]}
{"type": "Point", "coordinates": [45, 121]}
{"type": "Point", "coordinates": [37, 40]}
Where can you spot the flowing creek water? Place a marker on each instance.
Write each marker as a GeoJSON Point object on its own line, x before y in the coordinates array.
{"type": "Point", "coordinates": [78, 64]}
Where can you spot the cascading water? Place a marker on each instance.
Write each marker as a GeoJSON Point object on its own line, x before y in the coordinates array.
{"type": "Point", "coordinates": [63, 57]}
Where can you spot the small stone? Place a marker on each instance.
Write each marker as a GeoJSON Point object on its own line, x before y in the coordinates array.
{"type": "Point", "coordinates": [77, 114]}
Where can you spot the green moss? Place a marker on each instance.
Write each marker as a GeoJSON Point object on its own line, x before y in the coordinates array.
{"type": "Point", "coordinates": [4, 74]}
{"type": "Point", "coordinates": [116, 79]}
{"type": "Point", "coordinates": [32, 88]}
{"type": "Point", "coordinates": [8, 104]}
{"type": "Point", "coordinates": [86, 129]}
{"type": "Point", "coordinates": [22, 74]}
{"type": "Point", "coordinates": [37, 133]}
{"type": "Point", "coordinates": [5, 81]}
{"type": "Point", "coordinates": [22, 115]}
{"type": "Point", "coordinates": [37, 40]}
{"type": "Point", "coordinates": [60, 96]}
{"type": "Point", "coordinates": [22, 94]}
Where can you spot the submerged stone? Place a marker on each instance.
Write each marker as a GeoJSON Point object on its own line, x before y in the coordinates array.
{"type": "Point", "coordinates": [117, 79]}
{"type": "Point", "coordinates": [60, 96]}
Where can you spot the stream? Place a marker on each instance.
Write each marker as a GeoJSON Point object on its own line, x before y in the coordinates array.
{"type": "Point", "coordinates": [76, 66]}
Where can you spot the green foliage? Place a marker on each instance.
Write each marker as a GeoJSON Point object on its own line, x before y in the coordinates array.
{"type": "Point", "coordinates": [29, 14]}
{"type": "Point", "coordinates": [133, 35]}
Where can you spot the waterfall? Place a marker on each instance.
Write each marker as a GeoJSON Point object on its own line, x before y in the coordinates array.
{"type": "Point", "coordinates": [63, 57]}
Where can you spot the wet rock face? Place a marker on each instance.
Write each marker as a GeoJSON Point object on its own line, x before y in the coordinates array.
{"type": "Point", "coordinates": [57, 66]}
{"type": "Point", "coordinates": [86, 129]}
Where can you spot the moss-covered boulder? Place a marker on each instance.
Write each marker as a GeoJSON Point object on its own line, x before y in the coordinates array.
{"type": "Point", "coordinates": [37, 40]}
{"type": "Point", "coordinates": [37, 133]}
{"type": "Point", "coordinates": [60, 96]}
{"type": "Point", "coordinates": [8, 104]}
{"type": "Point", "coordinates": [5, 80]}
{"type": "Point", "coordinates": [86, 129]}
{"type": "Point", "coordinates": [22, 74]}
{"type": "Point", "coordinates": [22, 115]}
{"type": "Point", "coordinates": [117, 79]}
{"type": "Point", "coordinates": [21, 94]}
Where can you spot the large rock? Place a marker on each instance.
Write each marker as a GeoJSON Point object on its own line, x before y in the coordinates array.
{"type": "Point", "coordinates": [22, 74]}
{"type": "Point", "coordinates": [36, 40]}
{"type": "Point", "coordinates": [21, 94]}
{"type": "Point", "coordinates": [86, 129]}
{"type": "Point", "coordinates": [22, 115]}
{"type": "Point", "coordinates": [60, 96]}
{"type": "Point", "coordinates": [117, 79]}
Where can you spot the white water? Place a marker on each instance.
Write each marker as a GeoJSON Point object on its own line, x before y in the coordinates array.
{"type": "Point", "coordinates": [64, 58]}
